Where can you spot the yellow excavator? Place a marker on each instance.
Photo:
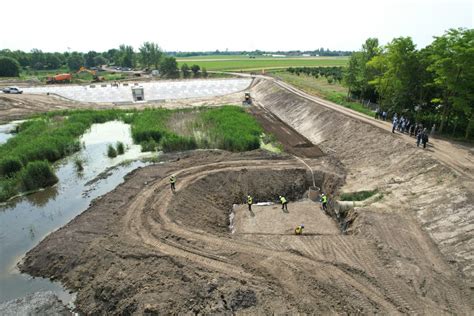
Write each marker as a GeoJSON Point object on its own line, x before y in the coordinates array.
{"type": "Point", "coordinates": [95, 78]}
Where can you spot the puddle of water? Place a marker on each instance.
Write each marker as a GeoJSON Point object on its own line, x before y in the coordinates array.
{"type": "Point", "coordinates": [25, 221]}
{"type": "Point", "coordinates": [6, 131]}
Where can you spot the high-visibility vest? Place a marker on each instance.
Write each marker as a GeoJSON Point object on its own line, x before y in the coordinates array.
{"type": "Point", "coordinates": [283, 200]}
{"type": "Point", "coordinates": [324, 199]}
{"type": "Point", "coordinates": [298, 230]}
{"type": "Point", "coordinates": [172, 179]}
{"type": "Point", "coordinates": [249, 200]}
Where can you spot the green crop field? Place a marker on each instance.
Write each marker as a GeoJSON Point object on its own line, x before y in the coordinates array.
{"type": "Point", "coordinates": [238, 63]}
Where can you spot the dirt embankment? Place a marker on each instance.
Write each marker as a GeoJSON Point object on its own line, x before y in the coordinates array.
{"type": "Point", "coordinates": [414, 185]}
{"type": "Point", "coordinates": [142, 249]}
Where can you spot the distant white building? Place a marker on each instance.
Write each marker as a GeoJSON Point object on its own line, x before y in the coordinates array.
{"type": "Point", "coordinates": [277, 55]}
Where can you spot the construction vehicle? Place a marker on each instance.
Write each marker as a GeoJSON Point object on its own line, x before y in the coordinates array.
{"type": "Point", "coordinates": [59, 78]}
{"type": "Point", "coordinates": [247, 100]}
{"type": "Point", "coordinates": [95, 78]}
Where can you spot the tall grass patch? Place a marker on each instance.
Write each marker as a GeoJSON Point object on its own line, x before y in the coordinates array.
{"type": "Point", "coordinates": [38, 174]}
{"type": "Point", "coordinates": [230, 128]}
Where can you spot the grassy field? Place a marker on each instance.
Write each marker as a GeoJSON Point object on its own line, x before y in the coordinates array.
{"type": "Point", "coordinates": [320, 87]}
{"type": "Point", "coordinates": [25, 159]}
{"type": "Point", "coordinates": [240, 63]}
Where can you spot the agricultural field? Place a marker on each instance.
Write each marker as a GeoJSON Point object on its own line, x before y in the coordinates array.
{"type": "Point", "coordinates": [240, 63]}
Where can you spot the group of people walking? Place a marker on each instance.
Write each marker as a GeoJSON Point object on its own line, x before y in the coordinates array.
{"type": "Point", "coordinates": [405, 125]}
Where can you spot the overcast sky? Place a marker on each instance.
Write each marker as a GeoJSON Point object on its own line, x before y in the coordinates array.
{"type": "Point", "coordinates": [187, 25]}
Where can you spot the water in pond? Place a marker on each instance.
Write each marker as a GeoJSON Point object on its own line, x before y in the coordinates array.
{"type": "Point", "coordinates": [6, 131]}
{"type": "Point", "coordinates": [25, 221]}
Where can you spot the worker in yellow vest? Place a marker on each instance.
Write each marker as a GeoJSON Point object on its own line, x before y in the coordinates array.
{"type": "Point", "coordinates": [299, 229]}
{"type": "Point", "coordinates": [324, 201]}
{"type": "Point", "coordinates": [249, 202]}
{"type": "Point", "coordinates": [284, 203]}
{"type": "Point", "coordinates": [173, 182]}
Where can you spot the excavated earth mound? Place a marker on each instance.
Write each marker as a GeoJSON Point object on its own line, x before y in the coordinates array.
{"type": "Point", "coordinates": [144, 249]}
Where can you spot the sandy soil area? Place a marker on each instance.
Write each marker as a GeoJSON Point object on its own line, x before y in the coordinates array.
{"type": "Point", "coordinates": [143, 249]}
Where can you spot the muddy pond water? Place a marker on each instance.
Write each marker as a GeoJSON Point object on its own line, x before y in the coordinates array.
{"type": "Point", "coordinates": [26, 220]}
{"type": "Point", "coordinates": [6, 131]}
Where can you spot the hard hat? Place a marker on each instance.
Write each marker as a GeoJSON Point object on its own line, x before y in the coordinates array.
{"type": "Point", "coordinates": [279, 196]}
{"type": "Point", "coordinates": [302, 225]}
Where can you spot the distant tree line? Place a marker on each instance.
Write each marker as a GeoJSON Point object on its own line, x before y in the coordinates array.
{"type": "Point", "coordinates": [433, 85]}
{"type": "Point", "coordinates": [332, 74]}
{"type": "Point", "coordinates": [149, 56]}
{"type": "Point", "coordinates": [318, 52]}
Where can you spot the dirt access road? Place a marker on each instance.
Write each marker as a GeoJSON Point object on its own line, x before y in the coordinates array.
{"type": "Point", "coordinates": [142, 248]}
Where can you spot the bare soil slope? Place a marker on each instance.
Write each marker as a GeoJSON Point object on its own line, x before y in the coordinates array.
{"type": "Point", "coordinates": [414, 184]}
{"type": "Point", "coordinates": [143, 249]}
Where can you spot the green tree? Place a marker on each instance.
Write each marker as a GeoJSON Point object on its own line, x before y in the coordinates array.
{"type": "Point", "coordinates": [452, 64]}
{"type": "Point", "coordinates": [169, 68]}
{"type": "Point", "coordinates": [52, 61]}
{"type": "Point", "coordinates": [75, 61]}
{"type": "Point", "coordinates": [127, 56]}
{"type": "Point", "coordinates": [396, 75]}
{"type": "Point", "coordinates": [357, 77]}
{"type": "Point", "coordinates": [195, 69]}
{"type": "Point", "coordinates": [150, 55]}
{"type": "Point", "coordinates": [185, 70]}
{"type": "Point", "coordinates": [9, 67]}
{"type": "Point", "coordinates": [37, 59]}
{"type": "Point", "coordinates": [89, 58]}
{"type": "Point", "coordinates": [100, 60]}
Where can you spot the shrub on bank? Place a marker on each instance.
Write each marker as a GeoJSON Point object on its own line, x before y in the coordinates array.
{"type": "Point", "coordinates": [38, 174]}
{"type": "Point", "coordinates": [9, 166]}
{"type": "Point", "coordinates": [111, 152]}
{"type": "Point", "coordinates": [120, 148]}
{"type": "Point", "coordinates": [173, 142]}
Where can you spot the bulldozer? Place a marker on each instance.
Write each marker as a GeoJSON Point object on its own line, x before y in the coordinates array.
{"type": "Point", "coordinates": [247, 99]}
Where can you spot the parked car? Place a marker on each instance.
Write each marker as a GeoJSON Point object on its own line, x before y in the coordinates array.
{"type": "Point", "coordinates": [12, 90]}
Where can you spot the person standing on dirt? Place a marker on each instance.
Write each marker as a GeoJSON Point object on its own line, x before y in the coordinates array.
{"type": "Point", "coordinates": [172, 183]}
{"type": "Point", "coordinates": [284, 203]}
{"type": "Point", "coordinates": [324, 201]}
{"type": "Point", "coordinates": [422, 137]}
{"type": "Point", "coordinates": [249, 202]}
{"type": "Point", "coordinates": [299, 229]}
{"type": "Point", "coordinates": [394, 123]}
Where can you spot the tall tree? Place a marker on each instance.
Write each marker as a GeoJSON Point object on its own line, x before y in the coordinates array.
{"type": "Point", "coordinates": [396, 75]}
{"type": "Point", "coordinates": [37, 59]}
{"type": "Point", "coordinates": [357, 77]}
{"type": "Point", "coordinates": [75, 61]}
{"type": "Point", "coordinates": [169, 67]}
{"type": "Point", "coordinates": [9, 67]}
{"type": "Point", "coordinates": [452, 63]}
{"type": "Point", "coordinates": [127, 56]}
{"type": "Point", "coordinates": [185, 70]}
{"type": "Point", "coordinates": [150, 55]}
{"type": "Point", "coordinates": [89, 58]}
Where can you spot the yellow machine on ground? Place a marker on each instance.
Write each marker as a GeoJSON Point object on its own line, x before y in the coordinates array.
{"type": "Point", "coordinates": [95, 78]}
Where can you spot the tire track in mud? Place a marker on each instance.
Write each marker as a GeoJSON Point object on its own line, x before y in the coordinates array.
{"type": "Point", "coordinates": [341, 263]}
{"type": "Point", "coordinates": [324, 254]}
